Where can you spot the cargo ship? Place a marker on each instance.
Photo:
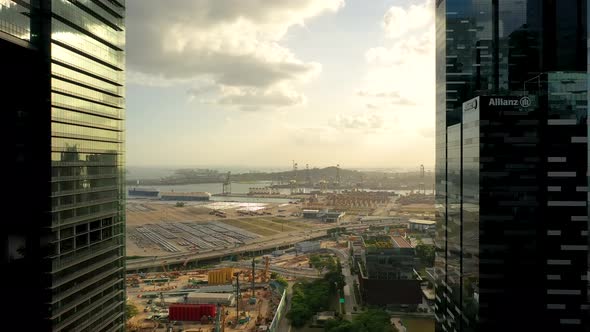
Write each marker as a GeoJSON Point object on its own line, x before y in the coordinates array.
{"type": "Point", "coordinates": [144, 192]}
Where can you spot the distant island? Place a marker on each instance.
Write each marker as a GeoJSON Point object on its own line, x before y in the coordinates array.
{"type": "Point", "coordinates": [329, 177]}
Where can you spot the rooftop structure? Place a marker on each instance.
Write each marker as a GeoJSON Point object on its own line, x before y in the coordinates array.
{"type": "Point", "coordinates": [400, 242]}
{"type": "Point", "coordinates": [228, 299]}
{"type": "Point", "coordinates": [422, 222]}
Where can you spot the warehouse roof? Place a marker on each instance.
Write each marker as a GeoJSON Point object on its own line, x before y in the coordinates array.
{"type": "Point", "coordinates": [422, 222]}
{"type": "Point", "coordinates": [400, 242]}
{"type": "Point", "coordinates": [227, 296]}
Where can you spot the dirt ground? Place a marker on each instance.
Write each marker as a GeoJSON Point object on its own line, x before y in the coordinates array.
{"type": "Point", "coordinates": [146, 213]}
{"type": "Point", "coordinates": [146, 307]}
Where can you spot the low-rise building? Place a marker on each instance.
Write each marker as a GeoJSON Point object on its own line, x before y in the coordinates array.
{"type": "Point", "coordinates": [320, 318]}
{"type": "Point", "coordinates": [308, 246]}
{"type": "Point", "coordinates": [421, 225]}
{"type": "Point", "coordinates": [227, 299]}
{"type": "Point", "coordinates": [310, 213]}
{"type": "Point", "coordinates": [387, 271]}
{"type": "Point", "coordinates": [332, 216]}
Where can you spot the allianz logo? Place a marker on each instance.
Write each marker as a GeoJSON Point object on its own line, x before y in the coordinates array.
{"type": "Point", "coordinates": [522, 102]}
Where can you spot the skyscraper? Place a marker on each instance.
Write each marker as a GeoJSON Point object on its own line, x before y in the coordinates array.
{"type": "Point", "coordinates": [511, 165]}
{"type": "Point", "coordinates": [62, 240]}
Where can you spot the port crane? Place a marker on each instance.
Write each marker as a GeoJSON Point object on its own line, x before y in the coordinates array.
{"type": "Point", "coordinates": [226, 189]}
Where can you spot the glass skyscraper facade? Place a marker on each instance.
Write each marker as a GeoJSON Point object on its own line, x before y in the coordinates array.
{"type": "Point", "coordinates": [511, 165]}
{"type": "Point", "coordinates": [63, 248]}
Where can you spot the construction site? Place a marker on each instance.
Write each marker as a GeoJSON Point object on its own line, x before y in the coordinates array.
{"type": "Point", "coordinates": [161, 228]}
{"type": "Point", "coordinates": [221, 299]}
{"type": "Point", "coordinates": [158, 229]}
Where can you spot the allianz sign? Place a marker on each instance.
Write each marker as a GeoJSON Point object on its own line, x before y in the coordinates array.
{"type": "Point", "coordinates": [522, 102]}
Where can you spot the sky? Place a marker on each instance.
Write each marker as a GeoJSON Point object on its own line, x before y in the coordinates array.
{"type": "Point", "coordinates": [259, 83]}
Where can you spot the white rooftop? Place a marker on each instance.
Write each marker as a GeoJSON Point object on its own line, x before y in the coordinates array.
{"type": "Point", "coordinates": [422, 222]}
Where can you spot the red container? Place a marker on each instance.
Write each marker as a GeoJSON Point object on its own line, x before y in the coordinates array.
{"type": "Point", "coordinates": [190, 312]}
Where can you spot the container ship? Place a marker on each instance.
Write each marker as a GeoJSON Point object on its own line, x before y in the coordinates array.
{"type": "Point", "coordinates": [144, 192]}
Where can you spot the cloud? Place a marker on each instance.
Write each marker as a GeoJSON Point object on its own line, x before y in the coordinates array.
{"type": "Point", "coordinates": [427, 132]}
{"type": "Point", "coordinates": [394, 96]}
{"type": "Point", "coordinates": [399, 21]}
{"type": "Point", "coordinates": [233, 43]}
{"type": "Point", "coordinates": [389, 94]}
{"type": "Point", "coordinates": [401, 50]}
{"type": "Point", "coordinates": [368, 122]}
{"type": "Point", "coordinates": [402, 68]}
{"type": "Point", "coordinates": [257, 97]}
{"type": "Point", "coordinates": [202, 90]}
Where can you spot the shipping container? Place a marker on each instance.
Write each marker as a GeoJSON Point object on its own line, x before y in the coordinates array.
{"type": "Point", "coordinates": [191, 312]}
{"type": "Point", "coordinates": [219, 277]}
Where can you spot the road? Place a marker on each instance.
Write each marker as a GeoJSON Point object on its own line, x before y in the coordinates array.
{"type": "Point", "coordinates": [283, 239]}
{"type": "Point", "coordinates": [285, 324]}
{"type": "Point", "coordinates": [349, 278]}
{"type": "Point", "coordinates": [301, 273]}
{"type": "Point", "coordinates": [286, 239]}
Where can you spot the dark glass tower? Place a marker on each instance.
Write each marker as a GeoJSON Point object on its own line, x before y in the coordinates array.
{"type": "Point", "coordinates": [511, 165]}
{"type": "Point", "coordinates": [62, 244]}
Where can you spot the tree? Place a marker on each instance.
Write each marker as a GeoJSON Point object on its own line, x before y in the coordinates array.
{"type": "Point", "coordinates": [368, 321]}
{"type": "Point", "coordinates": [373, 320]}
{"type": "Point", "coordinates": [131, 310]}
{"type": "Point", "coordinates": [282, 281]}
{"type": "Point", "coordinates": [425, 254]}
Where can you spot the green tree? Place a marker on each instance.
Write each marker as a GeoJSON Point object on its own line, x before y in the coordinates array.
{"type": "Point", "coordinates": [425, 253]}
{"type": "Point", "coordinates": [282, 281]}
{"type": "Point", "coordinates": [373, 320]}
{"type": "Point", "coordinates": [368, 321]}
{"type": "Point", "coordinates": [130, 310]}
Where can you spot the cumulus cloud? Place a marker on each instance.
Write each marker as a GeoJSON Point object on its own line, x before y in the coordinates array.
{"type": "Point", "coordinates": [202, 90]}
{"type": "Point", "coordinates": [402, 49]}
{"type": "Point", "coordinates": [257, 97]}
{"type": "Point", "coordinates": [404, 63]}
{"type": "Point", "coordinates": [399, 21]}
{"type": "Point", "coordinates": [233, 43]}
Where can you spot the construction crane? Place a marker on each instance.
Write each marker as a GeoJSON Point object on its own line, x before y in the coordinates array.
{"type": "Point", "coordinates": [294, 170]}
{"type": "Point", "coordinates": [337, 183]}
{"type": "Point", "coordinates": [265, 276]}
{"type": "Point", "coordinates": [323, 186]}
{"type": "Point", "coordinates": [307, 176]}
{"type": "Point", "coordinates": [259, 317]}
{"type": "Point", "coordinates": [422, 186]}
{"type": "Point", "coordinates": [226, 189]}
{"type": "Point", "coordinates": [253, 274]}
{"type": "Point", "coordinates": [293, 182]}
{"type": "Point", "coordinates": [220, 318]}
{"type": "Point", "coordinates": [162, 302]}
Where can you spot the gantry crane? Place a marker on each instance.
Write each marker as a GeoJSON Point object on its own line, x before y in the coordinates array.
{"type": "Point", "coordinates": [226, 190]}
